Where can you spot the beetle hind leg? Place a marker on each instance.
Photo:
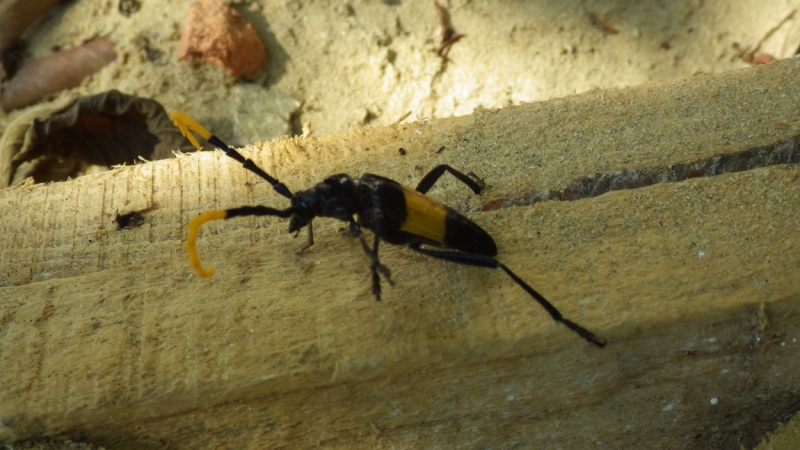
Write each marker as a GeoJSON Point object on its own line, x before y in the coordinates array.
{"type": "Point", "coordinates": [471, 259]}
{"type": "Point", "coordinates": [471, 180]}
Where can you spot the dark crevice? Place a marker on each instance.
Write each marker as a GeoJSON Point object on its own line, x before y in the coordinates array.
{"type": "Point", "coordinates": [783, 152]}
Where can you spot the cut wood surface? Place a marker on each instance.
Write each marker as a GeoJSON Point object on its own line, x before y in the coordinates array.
{"type": "Point", "coordinates": [106, 335]}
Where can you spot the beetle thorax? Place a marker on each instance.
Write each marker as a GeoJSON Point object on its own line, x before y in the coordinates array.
{"type": "Point", "coordinates": [338, 196]}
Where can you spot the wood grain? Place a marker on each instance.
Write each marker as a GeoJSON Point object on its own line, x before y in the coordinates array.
{"type": "Point", "coordinates": [106, 335]}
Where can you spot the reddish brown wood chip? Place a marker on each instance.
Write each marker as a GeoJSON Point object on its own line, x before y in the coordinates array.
{"type": "Point", "coordinates": [216, 33]}
{"type": "Point", "coordinates": [41, 77]}
{"type": "Point", "coordinates": [762, 58]}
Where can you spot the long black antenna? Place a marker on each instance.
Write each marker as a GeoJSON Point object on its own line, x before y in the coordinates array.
{"type": "Point", "coordinates": [187, 125]}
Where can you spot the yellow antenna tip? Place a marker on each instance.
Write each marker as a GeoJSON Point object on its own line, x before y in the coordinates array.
{"type": "Point", "coordinates": [186, 124]}
{"type": "Point", "coordinates": [191, 240]}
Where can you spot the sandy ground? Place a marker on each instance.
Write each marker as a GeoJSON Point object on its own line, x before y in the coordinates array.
{"type": "Point", "coordinates": [341, 64]}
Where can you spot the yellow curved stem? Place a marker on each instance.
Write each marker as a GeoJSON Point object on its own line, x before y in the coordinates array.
{"type": "Point", "coordinates": [191, 240]}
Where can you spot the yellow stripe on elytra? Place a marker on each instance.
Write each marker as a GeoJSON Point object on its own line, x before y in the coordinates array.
{"type": "Point", "coordinates": [191, 240]}
{"type": "Point", "coordinates": [424, 216]}
{"type": "Point", "coordinates": [186, 124]}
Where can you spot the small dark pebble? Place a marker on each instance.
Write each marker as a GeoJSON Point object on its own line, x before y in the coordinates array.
{"type": "Point", "coordinates": [128, 7]}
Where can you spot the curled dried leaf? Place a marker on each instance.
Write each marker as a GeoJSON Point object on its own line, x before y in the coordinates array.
{"type": "Point", "coordinates": [89, 134]}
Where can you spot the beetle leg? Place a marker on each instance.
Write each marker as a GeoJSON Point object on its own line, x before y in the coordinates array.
{"type": "Point", "coordinates": [376, 266]}
{"type": "Point", "coordinates": [472, 259]}
{"type": "Point", "coordinates": [428, 180]}
{"type": "Point", "coordinates": [310, 241]}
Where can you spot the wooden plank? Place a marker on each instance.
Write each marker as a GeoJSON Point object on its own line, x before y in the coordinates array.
{"type": "Point", "coordinates": [107, 335]}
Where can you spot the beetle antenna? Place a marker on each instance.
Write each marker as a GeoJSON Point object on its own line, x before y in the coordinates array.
{"type": "Point", "coordinates": [187, 125]}
{"type": "Point", "coordinates": [191, 240]}
{"type": "Point", "coordinates": [194, 229]}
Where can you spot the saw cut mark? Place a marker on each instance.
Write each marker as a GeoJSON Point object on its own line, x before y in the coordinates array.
{"type": "Point", "coordinates": [784, 152]}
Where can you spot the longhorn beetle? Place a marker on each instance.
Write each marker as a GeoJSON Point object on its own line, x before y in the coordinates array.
{"type": "Point", "coordinates": [394, 213]}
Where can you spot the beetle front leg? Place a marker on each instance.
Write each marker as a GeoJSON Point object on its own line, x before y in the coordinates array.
{"type": "Point", "coordinates": [376, 265]}
{"type": "Point", "coordinates": [309, 240]}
